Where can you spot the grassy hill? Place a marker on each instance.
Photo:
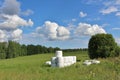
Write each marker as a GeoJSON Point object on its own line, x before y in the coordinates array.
{"type": "Point", "coordinates": [34, 68]}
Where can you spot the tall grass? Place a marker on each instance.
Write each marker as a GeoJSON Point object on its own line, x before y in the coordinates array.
{"type": "Point", "coordinates": [34, 68]}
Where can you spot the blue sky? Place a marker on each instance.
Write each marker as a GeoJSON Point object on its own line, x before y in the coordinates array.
{"type": "Point", "coordinates": [58, 23]}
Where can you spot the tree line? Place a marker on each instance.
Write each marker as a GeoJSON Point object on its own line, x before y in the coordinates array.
{"type": "Point", "coordinates": [74, 50]}
{"type": "Point", "coordinates": [13, 49]}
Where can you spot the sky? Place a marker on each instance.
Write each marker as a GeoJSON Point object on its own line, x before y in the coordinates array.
{"type": "Point", "coordinates": [58, 23]}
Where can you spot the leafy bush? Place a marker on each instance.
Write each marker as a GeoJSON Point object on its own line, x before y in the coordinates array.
{"type": "Point", "coordinates": [102, 46]}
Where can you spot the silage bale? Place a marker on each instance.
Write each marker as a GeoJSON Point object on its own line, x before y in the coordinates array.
{"type": "Point", "coordinates": [60, 64]}
{"type": "Point", "coordinates": [87, 62]}
{"type": "Point", "coordinates": [74, 59]}
{"type": "Point", "coordinates": [53, 60]}
{"type": "Point", "coordinates": [69, 58]}
{"type": "Point", "coordinates": [65, 64]}
{"type": "Point", "coordinates": [95, 61]}
{"type": "Point", "coordinates": [68, 64]}
{"type": "Point", "coordinates": [58, 53]}
{"type": "Point", "coordinates": [60, 61]}
{"type": "Point", "coordinates": [48, 62]}
{"type": "Point", "coordinates": [53, 65]}
{"type": "Point", "coordinates": [72, 62]}
{"type": "Point", "coordinates": [64, 58]}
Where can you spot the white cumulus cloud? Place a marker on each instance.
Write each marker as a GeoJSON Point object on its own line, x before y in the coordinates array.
{"type": "Point", "coordinates": [14, 21]}
{"type": "Point", "coordinates": [118, 14]}
{"type": "Point", "coordinates": [52, 31]}
{"type": "Point", "coordinates": [118, 2]}
{"type": "Point", "coordinates": [83, 14]}
{"type": "Point", "coordinates": [10, 7]}
{"type": "Point", "coordinates": [109, 10]}
{"type": "Point", "coordinates": [85, 29]}
{"type": "Point", "coordinates": [27, 12]}
{"type": "Point", "coordinates": [2, 36]}
{"type": "Point", "coordinates": [10, 20]}
{"type": "Point", "coordinates": [16, 34]}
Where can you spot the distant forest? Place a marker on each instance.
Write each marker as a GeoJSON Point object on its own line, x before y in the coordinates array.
{"type": "Point", "coordinates": [13, 49]}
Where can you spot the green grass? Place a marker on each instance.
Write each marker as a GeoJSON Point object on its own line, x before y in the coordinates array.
{"type": "Point", "coordinates": [34, 68]}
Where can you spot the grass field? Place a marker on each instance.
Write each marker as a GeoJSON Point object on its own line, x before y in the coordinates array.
{"type": "Point", "coordinates": [34, 68]}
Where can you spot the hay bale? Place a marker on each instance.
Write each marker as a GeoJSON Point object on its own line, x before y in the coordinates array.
{"type": "Point", "coordinates": [87, 62]}
{"type": "Point", "coordinates": [74, 59]}
{"type": "Point", "coordinates": [60, 61]}
{"type": "Point", "coordinates": [95, 61]}
{"type": "Point", "coordinates": [48, 62]}
{"type": "Point", "coordinates": [53, 60]}
{"type": "Point", "coordinates": [53, 65]}
{"type": "Point", "coordinates": [58, 53]}
{"type": "Point", "coordinates": [66, 59]}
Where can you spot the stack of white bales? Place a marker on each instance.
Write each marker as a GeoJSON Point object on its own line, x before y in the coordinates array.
{"type": "Point", "coordinates": [60, 61]}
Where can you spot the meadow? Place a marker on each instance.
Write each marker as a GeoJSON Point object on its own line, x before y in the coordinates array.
{"type": "Point", "coordinates": [34, 68]}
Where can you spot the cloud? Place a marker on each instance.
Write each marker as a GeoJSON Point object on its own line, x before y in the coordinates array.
{"type": "Point", "coordinates": [27, 12]}
{"type": "Point", "coordinates": [116, 28]}
{"type": "Point", "coordinates": [16, 34]}
{"type": "Point", "coordinates": [91, 1]}
{"type": "Point", "coordinates": [109, 3]}
{"type": "Point", "coordinates": [2, 36]}
{"type": "Point", "coordinates": [10, 20]}
{"type": "Point", "coordinates": [118, 14]}
{"type": "Point", "coordinates": [110, 7]}
{"type": "Point", "coordinates": [73, 20]}
{"type": "Point", "coordinates": [13, 22]}
{"type": "Point", "coordinates": [10, 7]}
{"type": "Point", "coordinates": [109, 10]}
{"type": "Point", "coordinates": [83, 14]}
{"type": "Point", "coordinates": [117, 2]}
{"type": "Point", "coordinates": [52, 31]}
{"type": "Point", "coordinates": [117, 41]}
{"type": "Point", "coordinates": [85, 29]}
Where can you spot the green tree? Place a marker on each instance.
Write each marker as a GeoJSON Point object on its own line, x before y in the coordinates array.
{"type": "Point", "coordinates": [3, 47]}
{"type": "Point", "coordinates": [50, 50]}
{"type": "Point", "coordinates": [30, 50]}
{"type": "Point", "coordinates": [23, 50]}
{"type": "Point", "coordinates": [101, 45]}
{"type": "Point", "coordinates": [117, 51]}
{"type": "Point", "coordinates": [13, 50]}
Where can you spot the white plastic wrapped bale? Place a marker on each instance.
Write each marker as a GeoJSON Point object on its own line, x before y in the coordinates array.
{"type": "Point", "coordinates": [53, 62]}
{"type": "Point", "coordinates": [95, 61]}
{"type": "Point", "coordinates": [48, 63]}
{"type": "Point", "coordinates": [87, 62]}
{"type": "Point", "coordinates": [53, 65]}
{"type": "Point", "coordinates": [58, 53]}
{"type": "Point", "coordinates": [69, 60]}
{"type": "Point", "coordinates": [74, 59]}
{"type": "Point", "coordinates": [60, 62]}
{"type": "Point", "coordinates": [66, 59]}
